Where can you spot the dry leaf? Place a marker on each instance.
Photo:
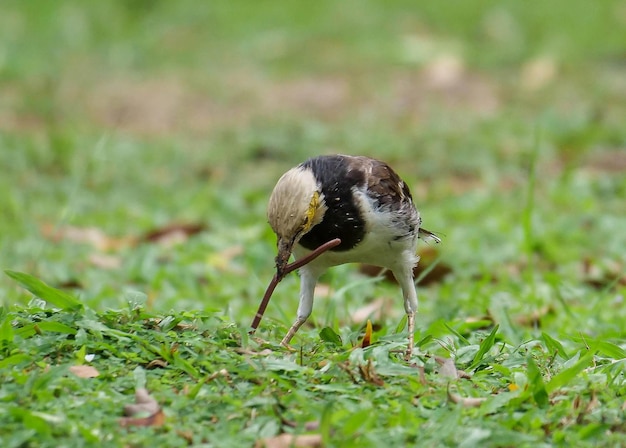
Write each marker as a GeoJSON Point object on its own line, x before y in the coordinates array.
{"type": "Point", "coordinates": [86, 235]}
{"type": "Point", "coordinates": [220, 373]}
{"type": "Point", "coordinates": [308, 426]}
{"type": "Point", "coordinates": [246, 351]}
{"type": "Point", "coordinates": [172, 234]}
{"type": "Point", "coordinates": [468, 402]}
{"type": "Point", "coordinates": [534, 319]}
{"type": "Point", "coordinates": [422, 375]}
{"type": "Point", "coordinates": [83, 371]}
{"type": "Point", "coordinates": [606, 161]}
{"type": "Point", "coordinates": [156, 419]}
{"type": "Point", "coordinates": [369, 374]}
{"type": "Point", "coordinates": [291, 440]}
{"type": "Point", "coordinates": [156, 364]}
{"type": "Point", "coordinates": [367, 338]}
{"type": "Point", "coordinates": [444, 72]}
{"type": "Point", "coordinates": [105, 261]}
{"type": "Point", "coordinates": [447, 367]}
{"type": "Point", "coordinates": [144, 404]}
{"type": "Point", "coordinates": [601, 274]}
{"type": "Point", "coordinates": [537, 73]}
{"type": "Point", "coordinates": [71, 283]}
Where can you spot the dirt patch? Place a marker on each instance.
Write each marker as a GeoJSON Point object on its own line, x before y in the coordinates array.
{"type": "Point", "coordinates": [168, 105]}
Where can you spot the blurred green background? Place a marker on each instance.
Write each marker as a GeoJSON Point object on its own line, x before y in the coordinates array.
{"type": "Point", "coordinates": [505, 118]}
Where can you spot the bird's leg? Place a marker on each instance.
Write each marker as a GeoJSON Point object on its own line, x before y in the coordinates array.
{"type": "Point", "coordinates": [411, 328]}
{"type": "Point", "coordinates": [292, 331]}
{"type": "Point", "coordinates": [308, 280]}
{"type": "Point", "coordinates": [404, 276]}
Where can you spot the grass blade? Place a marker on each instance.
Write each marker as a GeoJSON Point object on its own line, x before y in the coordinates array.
{"type": "Point", "coordinates": [56, 297]}
{"type": "Point", "coordinates": [485, 346]}
{"type": "Point", "coordinates": [567, 375]}
{"type": "Point", "coordinates": [537, 386]}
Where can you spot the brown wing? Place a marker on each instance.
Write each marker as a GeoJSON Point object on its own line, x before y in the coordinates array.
{"type": "Point", "coordinates": [384, 186]}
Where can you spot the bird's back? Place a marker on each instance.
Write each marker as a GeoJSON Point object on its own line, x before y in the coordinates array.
{"type": "Point", "coordinates": [369, 208]}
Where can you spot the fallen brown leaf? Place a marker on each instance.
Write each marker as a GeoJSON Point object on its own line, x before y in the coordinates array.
{"type": "Point", "coordinates": [447, 368]}
{"type": "Point", "coordinates": [422, 375]}
{"type": "Point", "coordinates": [538, 73]}
{"type": "Point", "coordinates": [369, 374]}
{"type": "Point", "coordinates": [468, 402]}
{"type": "Point", "coordinates": [84, 371]}
{"type": "Point", "coordinates": [144, 404]}
{"type": "Point", "coordinates": [156, 419]}
{"type": "Point", "coordinates": [607, 161]}
{"type": "Point", "coordinates": [245, 351]}
{"type": "Point", "coordinates": [367, 338]}
{"type": "Point", "coordinates": [71, 283]}
{"type": "Point", "coordinates": [534, 319]}
{"type": "Point", "coordinates": [601, 274]}
{"type": "Point", "coordinates": [172, 234]}
{"type": "Point", "coordinates": [156, 364]}
{"type": "Point", "coordinates": [105, 261]}
{"type": "Point", "coordinates": [345, 366]}
{"type": "Point", "coordinates": [291, 440]}
{"type": "Point", "coordinates": [86, 235]}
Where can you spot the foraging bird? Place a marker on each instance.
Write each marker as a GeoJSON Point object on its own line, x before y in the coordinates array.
{"type": "Point", "coordinates": [360, 200]}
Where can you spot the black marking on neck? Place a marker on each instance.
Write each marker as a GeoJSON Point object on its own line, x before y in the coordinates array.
{"type": "Point", "coordinates": [343, 219]}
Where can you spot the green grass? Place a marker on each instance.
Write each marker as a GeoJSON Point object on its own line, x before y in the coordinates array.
{"type": "Point", "coordinates": [117, 118]}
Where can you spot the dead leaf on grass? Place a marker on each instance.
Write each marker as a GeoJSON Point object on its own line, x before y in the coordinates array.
{"type": "Point", "coordinates": [468, 402]}
{"type": "Point", "coordinates": [144, 404]}
{"type": "Point", "coordinates": [172, 234]}
{"type": "Point", "coordinates": [105, 261]}
{"type": "Point", "coordinates": [71, 283]}
{"type": "Point", "coordinates": [308, 426]}
{"type": "Point", "coordinates": [93, 236]}
{"type": "Point", "coordinates": [369, 374]}
{"type": "Point", "coordinates": [607, 161]}
{"type": "Point", "coordinates": [422, 374]}
{"type": "Point", "coordinates": [84, 371]}
{"type": "Point", "coordinates": [367, 337]}
{"type": "Point", "coordinates": [156, 364]}
{"type": "Point", "coordinates": [290, 441]}
{"type": "Point", "coordinates": [447, 369]}
{"type": "Point", "coordinates": [444, 72]}
{"type": "Point", "coordinates": [245, 351]}
{"type": "Point", "coordinates": [601, 274]}
{"type": "Point", "coordinates": [534, 319]}
{"type": "Point", "coordinates": [538, 73]}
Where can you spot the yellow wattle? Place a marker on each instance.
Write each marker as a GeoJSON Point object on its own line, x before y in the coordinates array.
{"type": "Point", "coordinates": [310, 213]}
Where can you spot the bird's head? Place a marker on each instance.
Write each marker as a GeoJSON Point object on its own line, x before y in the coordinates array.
{"type": "Point", "coordinates": [295, 206]}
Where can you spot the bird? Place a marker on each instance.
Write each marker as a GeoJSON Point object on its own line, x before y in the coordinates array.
{"type": "Point", "coordinates": [361, 201]}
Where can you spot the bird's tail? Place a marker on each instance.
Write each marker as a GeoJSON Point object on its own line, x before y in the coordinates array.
{"type": "Point", "coordinates": [425, 235]}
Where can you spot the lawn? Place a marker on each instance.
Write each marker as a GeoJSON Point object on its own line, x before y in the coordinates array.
{"type": "Point", "coordinates": [139, 143]}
